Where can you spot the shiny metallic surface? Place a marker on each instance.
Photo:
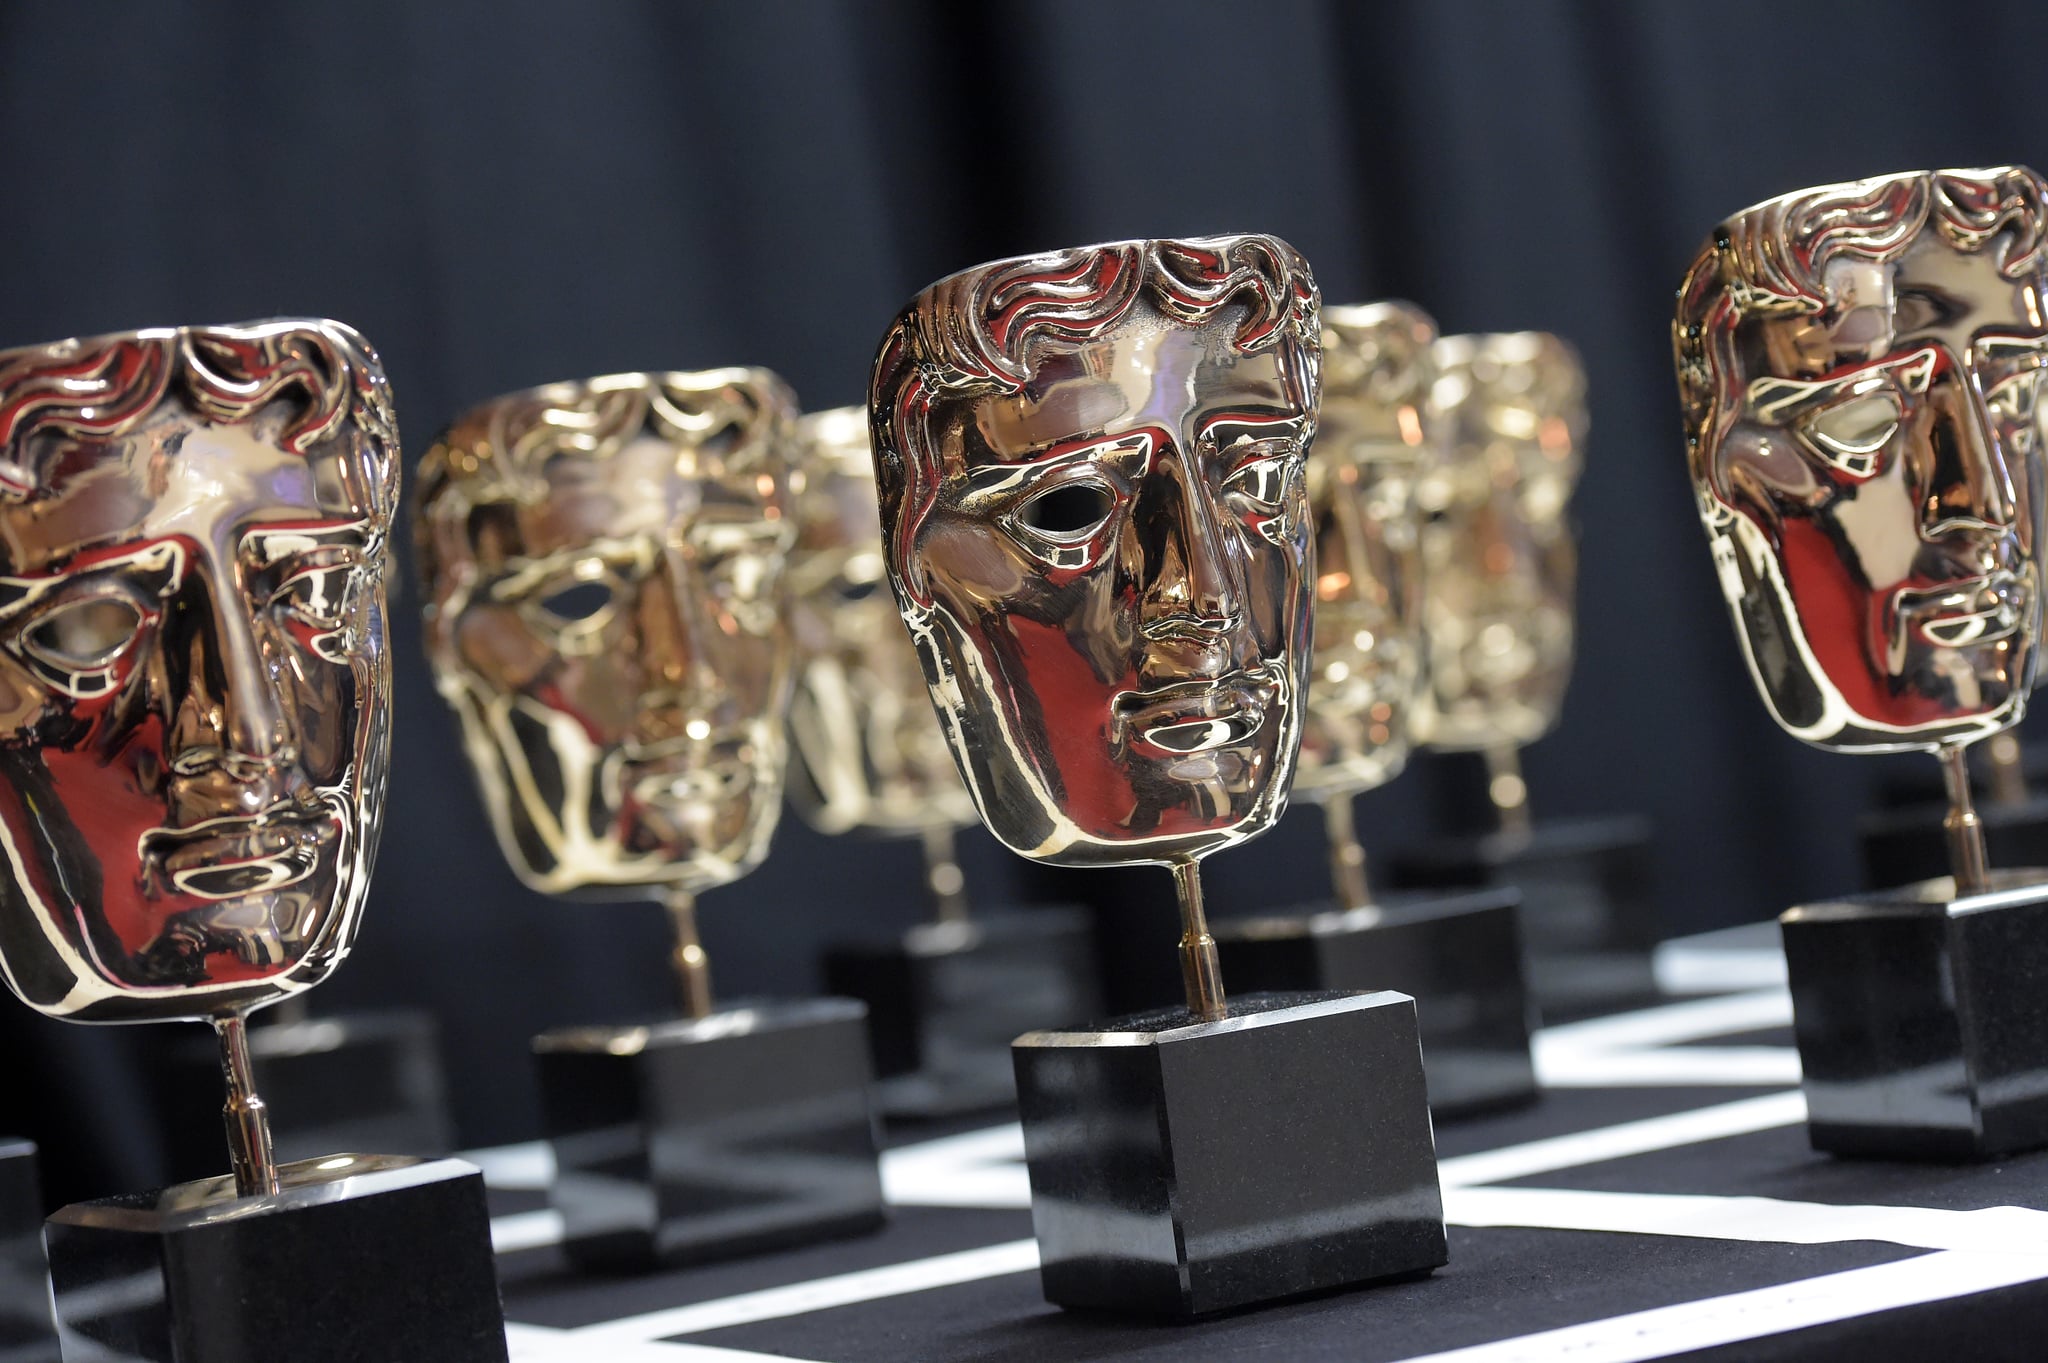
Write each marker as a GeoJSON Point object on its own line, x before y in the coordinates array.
{"type": "Point", "coordinates": [604, 571]}
{"type": "Point", "coordinates": [1379, 437]}
{"type": "Point", "coordinates": [869, 753]}
{"type": "Point", "coordinates": [194, 688]}
{"type": "Point", "coordinates": [1860, 366]}
{"type": "Point", "coordinates": [1090, 465]}
{"type": "Point", "coordinates": [1091, 475]}
{"type": "Point", "coordinates": [1499, 561]}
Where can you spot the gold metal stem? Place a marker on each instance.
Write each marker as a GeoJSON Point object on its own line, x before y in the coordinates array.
{"type": "Point", "coordinates": [1964, 828]}
{"type": "Point", "coordinates": [248, 1120]}
{"type": "Point", "coordinates": [1347, 855]}
{"type": "Point", "coordinates": [1510, 793]}
{"type": "Point", "coordinates": [693, 967]}
{"type": "Point", "coordinates": [1199, 970]}
{"type": "Point", "coordinates": [942, 875]}
{"type": "Point", "coordinates": [2008, 783]}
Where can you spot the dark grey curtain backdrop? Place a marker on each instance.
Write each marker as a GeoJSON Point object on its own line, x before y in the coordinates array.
{"type": "Point", "coordinates": [503, 194]}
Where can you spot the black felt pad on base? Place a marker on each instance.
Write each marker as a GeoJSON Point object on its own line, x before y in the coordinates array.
{"type": "Point", "coordinates": [1922, 1020]}
{"type": "Point", "coordinates": [1588, 917]}
{"type": "Point", "coordinates": [945, 1001]}
{"type": "Point", "coordinates": [693, 1140]}
{"type": "Point", "coordinates": [1458, 955]}
{"type": "Point", "coordinates": [358, 1258]}
{"type": "Point", "coordinates": [1180, 1167]}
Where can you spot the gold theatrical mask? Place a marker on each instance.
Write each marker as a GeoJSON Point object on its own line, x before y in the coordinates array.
{"type": "Point", "coordinates": [194, 688]}
{"type": "Point", "coordinates": [1859, 366]}
{"type": "Point", "coordinates": [1377, 440]}
{"type": "Point", "coordinates": [1499, 559]}
{"type": "Point", "coordinates": [603, 565]}
{"type": "Point", "coordinates": [1090, 466]}
{"type": "Point", "coordinates": [869, 754]}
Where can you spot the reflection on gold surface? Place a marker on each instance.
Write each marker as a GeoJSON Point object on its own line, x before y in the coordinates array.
{"type": "Point", "coordinates": [1091, 475]}
{"type": "Point", "coordinates": [1499, 558]}
{"type": "Point", "coordinates": [869, 756]}
{"type": "Point", "coordinates": [1860, 366]}
{"type": "Point", "coordinates": [603, 566]}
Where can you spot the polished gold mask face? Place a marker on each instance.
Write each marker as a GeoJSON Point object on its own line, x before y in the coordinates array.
{"type": "Point", "coordinates": [1091, 475]}
{"type": "Point", "coordinates": [604, 571]}
{"type": "Point", "coordinates": [1376, 441]}
{"type": "Point", "coordinates": [1860, 366]}
{"type": "Point", "coordinates": [194, 689]}
{"type": "Point", "coordinates": [1499, 560]}
{"type": "Point", "coordinates": [869, 754]}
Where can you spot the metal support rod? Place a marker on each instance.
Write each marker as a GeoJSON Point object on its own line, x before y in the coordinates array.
{"type": "Point", "coordinates": [1964, 828]}
{"type": "Point", "coordinates": [1199, 969]}
{"type": "Point", "coordinates": [1509, 792]}
{"type": "Point", "coordinates": [693, 967]}
{"type": "Point", "coordinates": [2008, 776]}
{"type": "Point", "coordinates": [1347, 856]}
{"type": "Point", "coordinates": [942, 875]}
{"type": "Point", "coordinates": [248, 1120]}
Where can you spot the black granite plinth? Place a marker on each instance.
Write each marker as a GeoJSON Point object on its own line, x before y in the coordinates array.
{"type": "Point", "coordinates": [945, 1001]}
{"type": "Point", "coordinates": [1180, 1167]}
{"type": "Point", "coordinates": [1458, 955]}
{"type": "Point", "coordinates": [355, 1081]}
{"type": "Point", "coordinates": [1588, 916]}
{"type": "Point", "coordinates": [1922, 1019]}
{"type": "Point", "coordinates": [26, 1334]}
{"type": "Point", "coordinates": [1907, 845]}
{"type": "Point", "coordinates": [702, 1139]}
{"type": "Point", "coordinates": [359, 1258]}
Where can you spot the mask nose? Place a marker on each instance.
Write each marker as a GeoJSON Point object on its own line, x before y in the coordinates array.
{"type": "Point", "coordinates": [676, 680]}
{"type": "Point", "coordinates": [1966, 483]}
{"type": "Point", "coordinates": [230, 720]}
{"type": "Point", "coordinates": [1190, 583]}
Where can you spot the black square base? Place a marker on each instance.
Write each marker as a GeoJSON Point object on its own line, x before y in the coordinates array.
{"type": "Point", "coordinates": [359, 1258]}
{"type": "Point", "coordinates": [1588, 916]}
{"type": "Point", "coordinates": [1180, 1167]}
{"type": "Point", "coordinates": [693, 1140]}
{"type": "Point", "coordinates": [946, 1000]}
{"type": "Point", "coordinates": [355, 1081]}
{"type": "Point", "coordinates": [1459, 956]}
{"type": "Point", "coordinates": [1922, 1019]}
{"type": "Point", "coordinates": [26, 1334]}
{"type": "Point", "coordinates": [1905, 846]}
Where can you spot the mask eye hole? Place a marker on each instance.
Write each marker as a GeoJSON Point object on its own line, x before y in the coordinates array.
{"type": "Point", "coordinates": [1072, 511]}
{"type": "Point", "coordinates": [85, 634]}
{"type": "Point", "coordinates": [1853, 434]}
{"type": "Point", "coordinates": [581, 602]}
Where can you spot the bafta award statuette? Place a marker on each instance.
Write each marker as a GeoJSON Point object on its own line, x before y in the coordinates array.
{"type": "Point", "coordinates": [1500, 566]}
{"type": "Point", "coordinates": [1090, 466]}
{"type": "Point", "coordinates": [1458, 954]}
{"type": "Point", "coordinates": [603, 568]}
{"type": "Point", "coordinates": [945, 998]}
{"type": "Point", "coordinates": [1858, 366]}
{"type": "Point", "coordinates": [194, 735]}
{"type": "Point", "coordinates": [26, 1330]}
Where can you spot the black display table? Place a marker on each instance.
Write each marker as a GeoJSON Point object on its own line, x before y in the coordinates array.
{"type": "Point", "coordinates": [1618, 1219]}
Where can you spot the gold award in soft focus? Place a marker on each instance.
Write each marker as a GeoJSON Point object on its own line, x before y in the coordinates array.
{"type": "Point", "coordinates": [1500, 563]}
{"type": "Point", "coordinates": [604, 567]}
{"type": "Point", "coordinates": [1376, 441]}
{"type": "Point", "coordinates": [1860, 367]}
{"type": "Point", "coordinates": [869, 756]}
{"type": "Point", "coordinates": [1090, 468]}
